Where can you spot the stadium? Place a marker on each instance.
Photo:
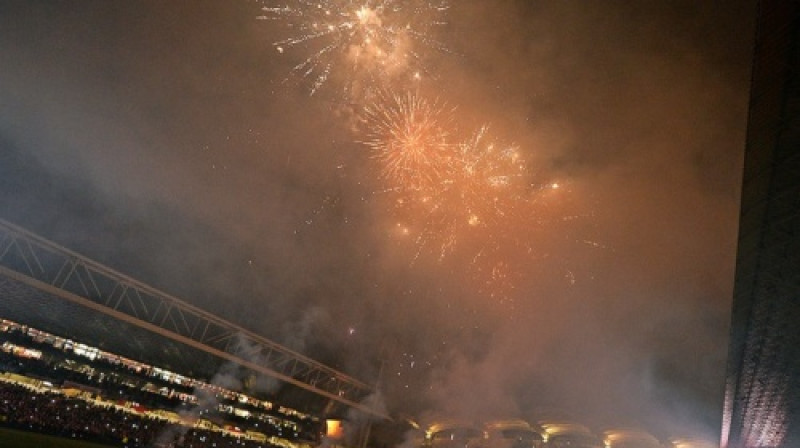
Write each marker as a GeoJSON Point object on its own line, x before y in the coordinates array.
{"type": "Point", "coordinates": [78, 361]}
{"type": "Point", "coordinates": [54, 329]}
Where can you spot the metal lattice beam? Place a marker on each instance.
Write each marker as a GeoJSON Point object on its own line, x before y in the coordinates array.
{"type": "Point", "coordinates": [42, 264]}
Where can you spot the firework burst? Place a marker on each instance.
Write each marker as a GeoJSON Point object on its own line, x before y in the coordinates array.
{"type": "Point", "coordinates": [477, 206]}
{"type": "Point", "coordinates": [489, 179]}
{"type": "Point", "coordinates": [481, 187]}
{"type": "Point", "coordinates": [374, 39]}
{"type": "Point", "coordinates": [407, 137]}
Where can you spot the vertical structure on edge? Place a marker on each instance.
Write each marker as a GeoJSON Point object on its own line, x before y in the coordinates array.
{"type": "Point", "coordinates": [762, 391]}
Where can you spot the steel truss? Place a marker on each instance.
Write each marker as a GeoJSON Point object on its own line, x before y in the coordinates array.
{"type": "Point", "coordinates": [40, 263]}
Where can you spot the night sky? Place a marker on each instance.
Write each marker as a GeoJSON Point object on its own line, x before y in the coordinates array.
{"type": "Point", "coordinates": [172, 142]}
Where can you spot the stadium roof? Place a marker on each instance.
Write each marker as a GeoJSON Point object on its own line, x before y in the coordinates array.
{"type": "Point", "coordinates": [31, 306]}
{"type": "Point", "coordinates": [56, 290]}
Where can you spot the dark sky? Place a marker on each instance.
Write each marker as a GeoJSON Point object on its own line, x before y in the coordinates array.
{"type": "Point", "coordinates": [172, 142]}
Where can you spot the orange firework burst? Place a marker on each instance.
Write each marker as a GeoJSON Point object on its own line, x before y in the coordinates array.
{"type": "Point", "coordinates": [407, 137]}
{"type": "Point", "coordinates": [489, 179]}
{"type": "Point", "coordinates": [446, 194]}
{"type": "Point", "coordinates": [481, 187]}
{"type": "Point", "coordinates": [473, 203]}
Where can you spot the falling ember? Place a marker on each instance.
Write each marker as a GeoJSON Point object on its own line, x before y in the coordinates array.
{"type": "Point", "coordinates": [371, 39]}
{"type": "Point", "coordinates": [498, 282]}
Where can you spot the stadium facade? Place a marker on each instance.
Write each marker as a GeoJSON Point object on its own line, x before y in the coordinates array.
{"type": "Point", "coordinates": [762, 396]}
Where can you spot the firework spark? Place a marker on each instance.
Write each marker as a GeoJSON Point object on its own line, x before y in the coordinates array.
{"type": "Point", "coordinates": [376, 39]}
{"type": "Point", "coordinates": [481, 188]}
{"type": "Point", "coordinates": [489, 179]}
{"type": "Point", "coordinates": [407, 136]}
{"type": "Point", "coordinates": [473, 202]}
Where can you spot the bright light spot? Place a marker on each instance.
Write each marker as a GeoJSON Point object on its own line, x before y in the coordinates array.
{"type": "Point", "coordinates": [365, 15]}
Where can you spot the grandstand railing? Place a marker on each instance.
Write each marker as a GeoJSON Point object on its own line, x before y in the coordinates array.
{"type": "Point", "coordinates": [40, 263]}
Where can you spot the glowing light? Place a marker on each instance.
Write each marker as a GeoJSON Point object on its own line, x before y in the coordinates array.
{"type": "Point", "coordinates": [479, 187]}
{"type": "Point", "coordinates": [406, 135]}
{"type": "Point", "coordinates": [374, 39]}
{"type": "Point", "coordinates": [334, 429]}
{"type": "Point", "coordinates": [471, 200]}
{"type": "Point", "coordinates": [468, 197]}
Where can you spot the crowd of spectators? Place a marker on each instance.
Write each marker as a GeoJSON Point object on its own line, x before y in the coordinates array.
{"type": "Point", "coordinates": [97, 399]}
{"type": "Point", "coordinates": [53, 413]}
